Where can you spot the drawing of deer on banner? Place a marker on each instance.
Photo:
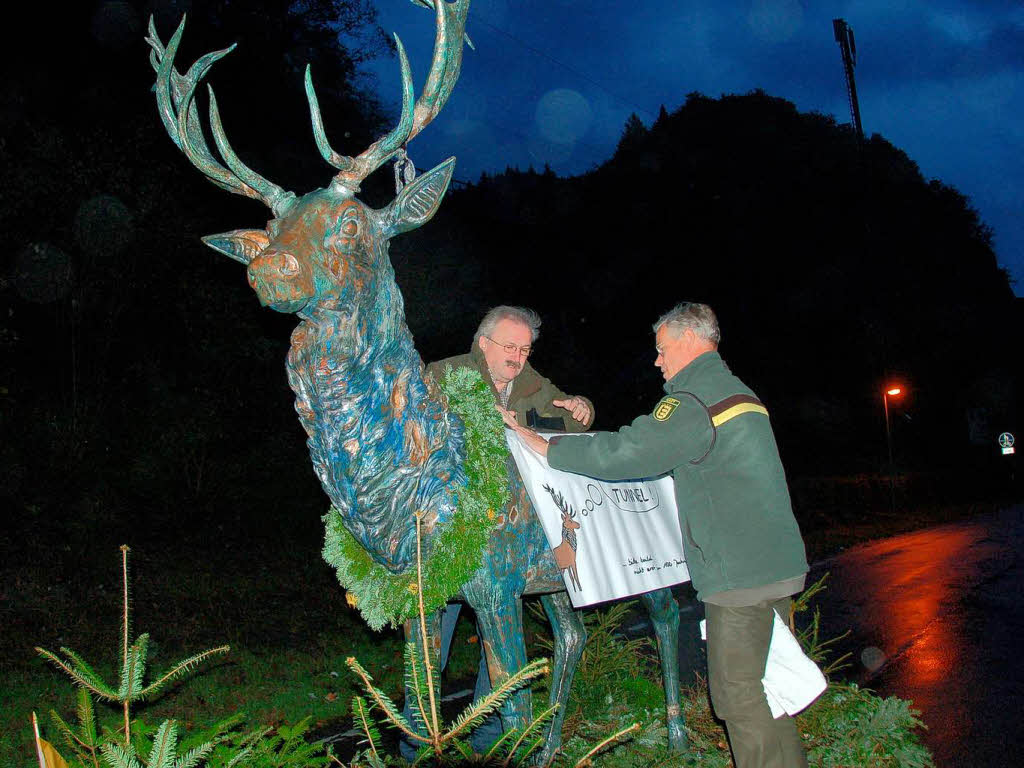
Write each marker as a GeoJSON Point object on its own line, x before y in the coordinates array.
{"type": "Point", "coordinates": [380, 437]}
{"type": "Point", "coordinates": [565, 553]}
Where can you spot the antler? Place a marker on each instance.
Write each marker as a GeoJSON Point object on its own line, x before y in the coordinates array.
{"type": "Point", "coordinates": [556, 496]}
{"type": "Point", "coordinates": [444, 72]}
{"type": "Point", "coordinates": [175, 98]}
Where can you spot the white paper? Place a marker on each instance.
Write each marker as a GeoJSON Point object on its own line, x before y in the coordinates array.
{"type": "Point", "coordinates": [791, 680]}
{"type": "Point", "coordinates": [627, 541]}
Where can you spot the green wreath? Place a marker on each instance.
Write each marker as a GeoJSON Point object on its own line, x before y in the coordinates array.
{"type": "Point", "coordinates": [456, 551]}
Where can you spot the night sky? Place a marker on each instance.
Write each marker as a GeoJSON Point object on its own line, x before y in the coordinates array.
{"type": "Point", "coordinates": [553, 81]}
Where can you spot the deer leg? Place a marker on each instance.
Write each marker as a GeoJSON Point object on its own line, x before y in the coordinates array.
{"type": "Point", "coordinates": [570, 638]}
{"type": "Point", "coordinates": [664, 613]}
{"type": "Point", "coordinates": [501, 635]}
{"type": "Point", "coordinates": [412, 711]}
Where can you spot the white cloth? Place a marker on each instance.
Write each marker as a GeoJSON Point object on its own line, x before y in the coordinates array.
{"type": "Point", "coordinates": [621, 538]}
{"type": "Point", "coordinates": [791, 680]}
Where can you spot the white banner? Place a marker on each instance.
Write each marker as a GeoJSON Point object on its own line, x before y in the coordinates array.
{"type": "Point", "coordinates": [611, 540]}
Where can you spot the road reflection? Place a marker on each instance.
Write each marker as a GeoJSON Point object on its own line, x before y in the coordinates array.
{"type": "Point", "coordinates": [920, 611]}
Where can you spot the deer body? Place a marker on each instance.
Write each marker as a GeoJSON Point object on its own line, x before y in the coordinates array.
{"type": "Point", "coordinates": [382, 443]}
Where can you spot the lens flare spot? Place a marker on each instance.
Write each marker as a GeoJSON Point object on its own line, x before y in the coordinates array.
{"type": "Point", "coordinates": [563, 115]}
{"type": "Point", "coordinates": [775, 21]}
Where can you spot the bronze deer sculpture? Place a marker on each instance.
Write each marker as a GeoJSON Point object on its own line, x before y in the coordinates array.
{"type": "Point", "coordinates": [380, 438]}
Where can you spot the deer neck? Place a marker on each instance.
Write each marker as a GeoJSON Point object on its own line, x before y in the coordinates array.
{"type": "Point", "coordinates": [383, 446]}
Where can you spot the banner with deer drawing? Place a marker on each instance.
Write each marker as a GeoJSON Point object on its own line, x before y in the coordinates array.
{"type": "Point", "coordinates": [610, 540]}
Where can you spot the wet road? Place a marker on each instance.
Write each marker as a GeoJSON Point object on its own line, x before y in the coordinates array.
{"type": "Point", "coordinates": [937, 617]}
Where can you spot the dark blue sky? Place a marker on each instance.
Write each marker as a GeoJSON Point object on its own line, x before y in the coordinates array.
{"type": "Point", "coordinates": [553, 81]}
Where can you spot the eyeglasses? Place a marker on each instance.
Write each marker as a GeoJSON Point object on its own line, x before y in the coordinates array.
{"type": "Point", "coordinates": [512, 349]}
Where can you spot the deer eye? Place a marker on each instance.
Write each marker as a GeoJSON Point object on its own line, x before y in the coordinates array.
{"type": "Point", "coordinates": [350, 228]}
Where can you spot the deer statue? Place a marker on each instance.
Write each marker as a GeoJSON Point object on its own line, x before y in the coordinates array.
{"type": "Point", "coordinates": [381, 439]}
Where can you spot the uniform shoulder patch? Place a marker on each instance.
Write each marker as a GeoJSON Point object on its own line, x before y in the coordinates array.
{"type": "Point", "coordinates": [665, 408]}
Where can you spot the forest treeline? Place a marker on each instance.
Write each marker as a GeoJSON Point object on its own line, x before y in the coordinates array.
{"type": "Point", "coordinates": [834, 265]}
{"type": "Point", "coordinates": [140, 379]}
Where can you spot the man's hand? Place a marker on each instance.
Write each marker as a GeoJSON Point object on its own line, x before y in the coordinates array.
{"type": "Point", "coordinates": [533, 441]}
{"type": "Point", "coordinates": [579, 408]}
{"type": "Point", "coordinates": [509, 417]}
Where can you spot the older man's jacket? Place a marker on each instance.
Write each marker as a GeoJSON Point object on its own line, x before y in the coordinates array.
{"type": "Point", "coordinates": [713, 435]}
{"type": "Point", "coordinates": [529, 389]}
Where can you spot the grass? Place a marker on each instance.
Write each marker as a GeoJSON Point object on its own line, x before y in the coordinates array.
{"type": "Point", "coordinates": [280, 609]}
{"type": "Point", "coordinates": [266, 592]}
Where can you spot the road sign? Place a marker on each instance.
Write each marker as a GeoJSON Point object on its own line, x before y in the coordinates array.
{"type": "Point", "coordinates": [1006, 443]}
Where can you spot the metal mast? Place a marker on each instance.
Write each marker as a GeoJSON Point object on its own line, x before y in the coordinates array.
{"type": "Point", "coordinates": [848, 48]}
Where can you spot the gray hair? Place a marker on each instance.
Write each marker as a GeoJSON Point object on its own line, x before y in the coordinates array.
{"type": "Point", "coordinates": [692, 316]}
{"type": "Point", "coordinates": [523, 315]}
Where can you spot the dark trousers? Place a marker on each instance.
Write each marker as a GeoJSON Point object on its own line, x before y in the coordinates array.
{"type": "Point", "coordinates": [738, 640]}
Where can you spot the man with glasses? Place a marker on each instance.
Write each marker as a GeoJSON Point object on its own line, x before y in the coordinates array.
{"type": "Point", "coordinates": [742, 543]}
{"type": "Point", "coordinates": [501, 350]}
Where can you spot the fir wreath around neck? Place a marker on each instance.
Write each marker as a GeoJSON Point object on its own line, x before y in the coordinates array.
{"type": "Point", "coordinates": [456, 550]}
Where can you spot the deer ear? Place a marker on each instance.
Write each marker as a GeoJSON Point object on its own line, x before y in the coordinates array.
{"type": "Point", "coordinates": [419, 201]}
{"type": "Point", "coordinates": [242, 245]}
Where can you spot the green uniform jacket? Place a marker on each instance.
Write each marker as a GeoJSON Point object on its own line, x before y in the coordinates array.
{"type": "Point", "coordinates": [734, 510]}
{"type": "Point", "coordinates": [529, 389]}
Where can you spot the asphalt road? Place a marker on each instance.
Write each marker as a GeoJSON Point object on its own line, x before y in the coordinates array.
{"type": "Point", "coordinates": [937, 617]}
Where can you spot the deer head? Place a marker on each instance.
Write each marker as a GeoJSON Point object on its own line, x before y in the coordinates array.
{"type": "Point", "coordinates": [568, 513]}
{"type": "Point", "coordinates": [324, 249]}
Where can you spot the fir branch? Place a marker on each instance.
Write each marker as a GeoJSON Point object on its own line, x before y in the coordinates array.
{"type": "Point", "coordinates": [75, 744]}
{"type": "Point", "coordinates": [120, 757]}
{"type": "Point", "coordinates": [412, 668]}
{"type": "Point", "coordinates": [133, 672]}
{"type": "Point", "coordinates": [164, 745]}
{"type": "Point", "coordinates": [125, 611]}
{"type": "Point", "coordinates": [361, 710]}
{"type": "Point", "coordinates": [194, 756]}
{"type": "Point", "coordinates": [499, 746]}
{"type": "Point", "coordinates": [85, 744]}
{"type": "Point", "coordinates": [70, 737]}
{"type": "Point", "coordinates": [180, 669]}
{"type": "Point", "coordinates": [586, 762]}
{"type": "Point", "coordinates": [87, 720]}
{"type": "Point", "coordinates": [530, 750]}
{"type": "Point", "coordinates": [81, 673]}
{"type": "Point", "coordinates": [248, 745]}
{"type": "Point", "coordinates": [537, 721]}
{"type": "Point", "coordinates": [476, 711]}
{"type": "Point", "coordinates": [382, 701]}
{"type": "Point", "coordinates": [464, 749]}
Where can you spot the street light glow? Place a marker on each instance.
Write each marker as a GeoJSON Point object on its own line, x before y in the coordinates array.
{"type": "Point", "coordinates": [891, 391]}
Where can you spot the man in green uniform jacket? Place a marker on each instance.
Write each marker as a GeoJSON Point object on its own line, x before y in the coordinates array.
{"type": "Point", "coordinates": [742, 544]}
{"type": "Point", "coordinates": [500, 352]}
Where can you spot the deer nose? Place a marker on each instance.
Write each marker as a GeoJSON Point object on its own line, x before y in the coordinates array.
{"type": "Point", "coordinates": [273, 265]}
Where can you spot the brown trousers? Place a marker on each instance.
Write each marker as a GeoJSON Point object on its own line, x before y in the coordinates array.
{"type": "Point", "coordinates": [738, 640]}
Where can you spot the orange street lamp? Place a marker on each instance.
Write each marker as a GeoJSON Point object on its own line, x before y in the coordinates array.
{"type": "Point", "coordinates": [890, 391]}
